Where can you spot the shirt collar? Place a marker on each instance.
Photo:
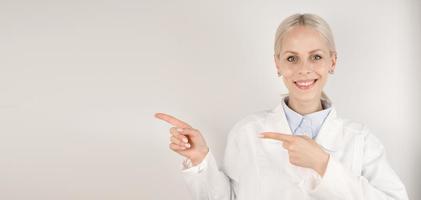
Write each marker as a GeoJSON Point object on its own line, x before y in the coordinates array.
{"type": "Point", "coordinates": [330, 136]}
{"type": "Point", "coordinates": [317, 118]}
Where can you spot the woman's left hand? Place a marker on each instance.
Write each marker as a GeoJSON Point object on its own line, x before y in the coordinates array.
{"type": "Point", "coordinates": [302, 151]}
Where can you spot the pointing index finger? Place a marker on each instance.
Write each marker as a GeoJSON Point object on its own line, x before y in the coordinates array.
{"type": "Point", "coordinates": [277, 136]}
{"type": "Point", "coordinates": [172, 120]}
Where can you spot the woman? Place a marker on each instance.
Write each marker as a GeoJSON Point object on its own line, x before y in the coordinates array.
{"type": "Point", "coordinates": [298, 150]}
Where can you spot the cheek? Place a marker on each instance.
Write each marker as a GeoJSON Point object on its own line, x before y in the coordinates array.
{"type": "Point", "coordinates": [287, 76]}
{"type": "Point", "coordinates": [322, 68]}
{"type": "Point", "coordinates": [287, 71]}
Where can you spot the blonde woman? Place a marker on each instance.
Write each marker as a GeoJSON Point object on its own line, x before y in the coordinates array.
{"type": "Point", "coordinates": [300, 149]}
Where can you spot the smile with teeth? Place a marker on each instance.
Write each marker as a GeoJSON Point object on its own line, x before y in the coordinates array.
{"type": "Point", "coordinates": [305, 84]}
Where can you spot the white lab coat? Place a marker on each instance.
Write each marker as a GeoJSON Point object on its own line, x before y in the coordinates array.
{"type": "Point", "coordinates": [259, 169]}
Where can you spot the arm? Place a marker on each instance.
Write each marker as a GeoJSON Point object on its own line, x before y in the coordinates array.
{"type": "Point", "coordinates": [207, 181]}
{"type": "Point", "coordinates": [377, 180]}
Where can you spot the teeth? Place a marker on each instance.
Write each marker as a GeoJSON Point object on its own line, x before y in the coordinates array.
{"type": "Point", "coordinates": [305, 83]}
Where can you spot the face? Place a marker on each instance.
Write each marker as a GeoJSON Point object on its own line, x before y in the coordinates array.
{"type": "Point", "coordinates": [304, 62]}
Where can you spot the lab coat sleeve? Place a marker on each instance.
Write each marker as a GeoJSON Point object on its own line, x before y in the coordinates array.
{"type": "Point", "coordinates": [377, 180]}
{"type": "Point", "coordinates": [206, 181]}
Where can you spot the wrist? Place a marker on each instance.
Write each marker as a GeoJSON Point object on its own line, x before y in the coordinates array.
{"type": "Point", "coordinates": [200, 157]}
{"type": "Point", "coordinates": [322, 165]}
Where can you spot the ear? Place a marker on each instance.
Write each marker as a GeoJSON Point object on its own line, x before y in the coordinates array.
{"type": "Point", "coordinates": [334, 58]}
{"type": "Point", "coordinates": [277, 62]}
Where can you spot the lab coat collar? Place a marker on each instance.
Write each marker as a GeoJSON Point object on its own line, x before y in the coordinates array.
{"type": "Point", "coordinates": [330, 136]}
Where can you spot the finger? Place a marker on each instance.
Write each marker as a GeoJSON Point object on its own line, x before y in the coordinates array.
{"type": "Point", "coordinates": [176, 147]}
{"type": "Point", "coordinates": [305, 137]}
{"type": "Point", "coordinates": [182, 140]}
{"type": "Point", "coordinates": [189, 131]}
{"type": "Point", "coordinates": [277, 136]}
{"type": "Point", "coordinates": [174, 131]}
{"type": "Point", "coordinates": [180, 137]}
{"type": "Point", "coordinates": [176, 141]}
{"type": "Point", "coordinates": [286, 145]}
{"type": "Point", "coordinates": [179, 133]}
{"type": "Point", "coordinates": [172, 120]}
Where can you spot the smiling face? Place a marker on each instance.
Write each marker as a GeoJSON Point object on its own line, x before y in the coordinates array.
{"type": "Point", "coordinates": [304, 62]}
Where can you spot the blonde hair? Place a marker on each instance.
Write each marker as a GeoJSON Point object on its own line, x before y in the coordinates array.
{"type": "Point", "coordinates": [306, 19]}
{"type": "Point", "coordinates": [310, 20]}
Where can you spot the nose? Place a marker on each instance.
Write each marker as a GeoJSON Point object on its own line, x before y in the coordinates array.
{"type": "Point", "coordinates": [305, 68]}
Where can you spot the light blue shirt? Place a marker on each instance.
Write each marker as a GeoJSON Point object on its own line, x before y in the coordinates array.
{"type": "Point", "coordinates": [308, 124]}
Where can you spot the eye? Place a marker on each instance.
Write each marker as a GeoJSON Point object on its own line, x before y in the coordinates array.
{"type": "Point", "coordinates": [291, 59]}
{"type": "Point", "coordinates": [317, 57]}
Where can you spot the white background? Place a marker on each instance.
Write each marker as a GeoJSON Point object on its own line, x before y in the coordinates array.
{"type": "Point", "coordinates": [81, 80]}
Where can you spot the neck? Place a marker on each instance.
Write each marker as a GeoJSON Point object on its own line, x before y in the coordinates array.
{"type": "Point", "coordinates": [305, 107]}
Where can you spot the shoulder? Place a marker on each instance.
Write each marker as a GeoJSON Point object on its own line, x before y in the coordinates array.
{"type": "Point", "coordinates": [361, 132]}
{"type": "Point", "coordinates": [352, 127]}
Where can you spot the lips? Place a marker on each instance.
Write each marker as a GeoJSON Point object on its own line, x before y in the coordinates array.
{"type": "Point", "coordinates": [305, 84]}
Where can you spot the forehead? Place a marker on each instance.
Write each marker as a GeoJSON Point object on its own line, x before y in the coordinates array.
{"type": "Point", "coordinates": [303, 39]}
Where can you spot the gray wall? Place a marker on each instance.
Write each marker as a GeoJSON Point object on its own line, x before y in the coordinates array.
{"type": "Point", "coordinates": [81, 80]}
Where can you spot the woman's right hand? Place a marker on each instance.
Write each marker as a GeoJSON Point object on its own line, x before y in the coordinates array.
{"type": "Point", "coordinates": [185, 140]}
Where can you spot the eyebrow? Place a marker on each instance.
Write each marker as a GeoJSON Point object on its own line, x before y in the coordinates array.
{"type": "Point", "coordinates": [293, 52]}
